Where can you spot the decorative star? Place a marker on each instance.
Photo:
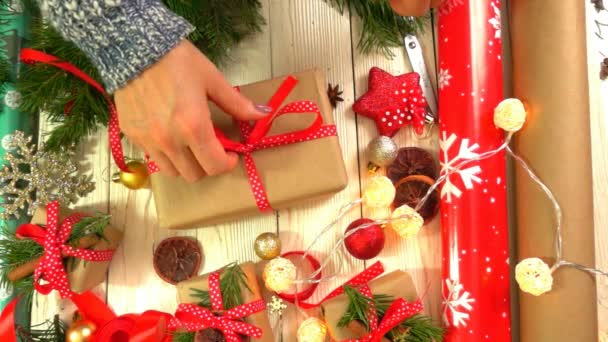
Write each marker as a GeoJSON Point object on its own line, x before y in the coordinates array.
{"type": "Point", "coordinates": [276, 306]}
{"type": "Point", "coordinates": [393, 102]}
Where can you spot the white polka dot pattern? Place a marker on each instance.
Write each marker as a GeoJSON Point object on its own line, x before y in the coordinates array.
{"type": "Point", "coordinates": [194, 318]}
{"type": "Point", "coordinates": [50, 268]}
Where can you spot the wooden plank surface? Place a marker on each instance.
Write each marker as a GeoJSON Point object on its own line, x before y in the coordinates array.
{"type": "Point", "coordinates": [299, 35]}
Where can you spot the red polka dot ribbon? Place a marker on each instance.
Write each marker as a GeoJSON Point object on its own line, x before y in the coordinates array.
{"type": "Point", "coordinates": [31, 56]}
{"type": "Point", "coordinates": [360, 280]}
{"type": "Point", "coordinates": [53, 239]}
{"type": "Point", "coordinates": [193, 317]}
{"type": "Point", "coordinates": [399, 310]}
{"type": "Point", "coordinates": [255, 138]}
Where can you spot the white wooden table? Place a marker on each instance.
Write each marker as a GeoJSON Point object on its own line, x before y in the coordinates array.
{"type": "Point", "coordinates": [299, 35]}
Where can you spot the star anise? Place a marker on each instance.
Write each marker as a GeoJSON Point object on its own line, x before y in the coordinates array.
{"type": "Point", "coordinates": [604, 69]}
{"type": "Point", "coordinates": [599, 5]}
{"type": "Point", "coordinates": [334, 94]}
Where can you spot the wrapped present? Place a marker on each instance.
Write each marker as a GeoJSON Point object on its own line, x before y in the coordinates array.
{"type": "Point", "coordinates": [286, 159]}
{"type": "Point", "coordinates": [250, 306]}
{"type": "Point", "coordinates": [397, 284]}
{"type": "Point", "coordinates": [88, 257]}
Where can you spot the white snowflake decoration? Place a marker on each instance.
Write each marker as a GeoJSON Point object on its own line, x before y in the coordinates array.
{"type": "Point", "coordinates": [468, 174]}
{"type": "Point", "coordinates": [12, 99]}
{"type": "Point", "coordinates": [30, 179]}
{"type": "Point", "coordinates": [458, 303]}
{"type": "Point", "coordinates": [7, 142]}
{"type": "Point", "coordinates": [495, 21]}
{"type": "Point", "coordinates": [444, 78]}
{"type": "Point", "coordinates": [276, 306]}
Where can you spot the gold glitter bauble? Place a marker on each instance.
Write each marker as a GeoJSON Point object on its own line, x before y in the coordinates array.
{"type": "Point", "coordinates": [267, 246]}
{"type": "Point", "coordinates": [510, 115]}
{"type": "Point", "coordinates": [379, 193]}
{"type": "Point", "coordinates": [80, 331]}
{"type": "Point", "coordinates": [533, 276]}
{"type": "Point", "coordinates": [312, 330]}
{"type": "Point", "coordinates": [136, 179]}
{"type": "Point", "coordinates": [408, 226]}
{"type": "Point", "coordinates": [279, 274]}
{"type": "Point", "coordinates": [382, 151]}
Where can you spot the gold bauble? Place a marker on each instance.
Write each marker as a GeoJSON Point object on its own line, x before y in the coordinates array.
{"type": "Point", "coordinates": [510, 115]}
{"type": "Point", "coordinates": [80, 331]}
{"type": "Point", "coordinates": [312, 330]}
{"type": "Point", "coordinates": [267, 246]}
{"type": "Point", "coordinates": [379, 193]}
{"type": "Point", "coordinates": [533, 276]}
{"type": "Point", "coordinates": [279, 274]}
{"type": "Point", "coordinates": [136, 178]}
{"type": "Point", "coordinates": [407, 222]}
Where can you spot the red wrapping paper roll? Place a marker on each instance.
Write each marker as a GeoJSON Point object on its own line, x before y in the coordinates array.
{"type": "Point", "coordinates": [475, 244]}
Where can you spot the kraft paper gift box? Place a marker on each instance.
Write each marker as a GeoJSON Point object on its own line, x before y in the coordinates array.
{"type": "Point", "coordinates": [291, 174]}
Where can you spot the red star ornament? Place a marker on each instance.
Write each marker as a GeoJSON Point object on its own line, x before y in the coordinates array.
{"type": "Point", "coordinates": [393, 102]}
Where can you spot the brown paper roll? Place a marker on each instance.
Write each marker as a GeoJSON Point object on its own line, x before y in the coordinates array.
{"type": "Point", "coordinates": [260, 319]}
{"type": "Point", "coordinates": [550, 75]}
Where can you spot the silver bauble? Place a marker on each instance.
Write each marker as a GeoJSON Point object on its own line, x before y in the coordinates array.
{"type": "Point", "coordinates": [382, 151]}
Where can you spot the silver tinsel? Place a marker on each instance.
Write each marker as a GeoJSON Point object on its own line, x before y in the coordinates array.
{"type": "Point", "coordinates": [32, 179]}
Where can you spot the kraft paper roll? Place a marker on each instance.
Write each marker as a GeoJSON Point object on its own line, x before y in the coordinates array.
{"type": "Point", "coordinates": [550, 76]}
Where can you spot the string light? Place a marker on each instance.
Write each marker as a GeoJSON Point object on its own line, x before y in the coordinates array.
{"type": "Point", "coordinates": [407, 222]}
{"type": "Point", "coordinates": [312, 330]}
{"type": "Point", "coordinates": [533, 276]}
{"type": "Point", "coordinates": [510, 115]}
{"type": "Point", "coordinates": [380, 192]}
{"type": "Point", "coordinates": [279, 274]}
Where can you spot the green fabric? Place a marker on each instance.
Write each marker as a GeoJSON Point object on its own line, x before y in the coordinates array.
{"type": "Point", "coordinates": [13, 36]}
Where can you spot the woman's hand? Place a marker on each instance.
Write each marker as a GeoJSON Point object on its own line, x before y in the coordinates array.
{"type": "Point", "coordinates": [413, 7]}
{"type": "Point", "coordinates": [165, 112]}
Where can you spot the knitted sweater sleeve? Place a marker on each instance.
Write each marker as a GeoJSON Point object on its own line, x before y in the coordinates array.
{"type": "Point", "coordinates": [121, 37]}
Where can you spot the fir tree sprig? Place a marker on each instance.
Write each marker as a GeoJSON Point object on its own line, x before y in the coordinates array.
{"type": "Point", "coordinates": [417, 328]}
{"type": "Point", "coordinates": [232, 281]}
{"type": "Point", "coordinates": [15, 252]}
{"type": "Point", "coordinates": [183, 337]}
{"type": "Point", "coordinates": [49, 331]}
{"type": "Point", "coordinates": [382, 29]}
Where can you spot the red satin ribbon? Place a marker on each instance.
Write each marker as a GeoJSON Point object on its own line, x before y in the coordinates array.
{"type": "Point", "coordinates": [53, 238]}
{"type": "Point", "coordinates": [31, 56]}
{"type": "Point", "coordinates": [194, 318]}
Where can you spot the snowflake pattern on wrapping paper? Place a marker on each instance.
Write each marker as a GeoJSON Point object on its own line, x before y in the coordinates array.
{"type": "Point", "coordinates": [495, 21]}
{"type": "Point", "coordinates": [457, 302]}
{"type": "Point", "coordinates": [468, 174]}
{"type": "Point", "coordinates": [444, 78]}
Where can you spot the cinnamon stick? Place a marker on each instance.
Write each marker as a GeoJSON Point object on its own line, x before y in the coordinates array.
{"type": "Point", "coordinates": [359, 329]}
{"type": "Point", "coordinates": [28, 268]}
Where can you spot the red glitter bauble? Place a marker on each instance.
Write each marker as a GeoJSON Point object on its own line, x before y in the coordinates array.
{"type": "Point", "coordinates": [365, 243]}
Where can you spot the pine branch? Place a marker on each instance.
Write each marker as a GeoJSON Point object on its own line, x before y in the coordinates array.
{"type": "Point", "coordinates": [49, 331]}
{"type": "Point", "coordinates": [382, 29]}
{"type": "Point", "coordinates": [232, 280]}
{"type": "Point", "coordinates": [417, 328]}
{"type": "Point", "coordinates": [90, 225]}
{"type": "Point", "coordinates": [183, 337]}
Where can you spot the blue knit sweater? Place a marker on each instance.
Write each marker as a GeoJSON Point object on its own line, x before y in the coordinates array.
{"type": "Point", "coordinates": [121, 37]}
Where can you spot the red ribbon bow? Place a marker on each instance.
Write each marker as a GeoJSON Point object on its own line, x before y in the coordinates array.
{"type": "Point", "coordinates": [194, 318]}
{"type": "Point", "coordinates": [53, 238]}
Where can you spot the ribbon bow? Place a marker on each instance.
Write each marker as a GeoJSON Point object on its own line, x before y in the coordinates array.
{"type": "Point", "coordinates": [194, 318]}
{"type": "Point", "coordinates": [53, 238]}
{"type": "Point", "coordinates": [399, 310]}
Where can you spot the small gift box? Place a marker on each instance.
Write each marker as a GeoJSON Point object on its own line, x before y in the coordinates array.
{"type": "Point", "coordinates": [286, 159]}
{"type": "Point", "coordinates": [246, 300]}
{"type": "Point", "coordinates": [397, 284]}
{"type": "Point", "coordinates": [86, 258]}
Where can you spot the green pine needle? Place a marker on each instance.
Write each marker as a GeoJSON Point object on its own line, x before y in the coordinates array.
{"type": "Point", "coordinates": [49, 331]}
{"type": "Point", "coordinates": [417, 328]}
{"type": "Point", "coordinates": [232, 280]}
{"type": "Point", "coordinates": [382, 29]}
{"type": "Point", "coordinates": [183, 337]}
{"type": "Point", "coordinates": [15, 252]}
